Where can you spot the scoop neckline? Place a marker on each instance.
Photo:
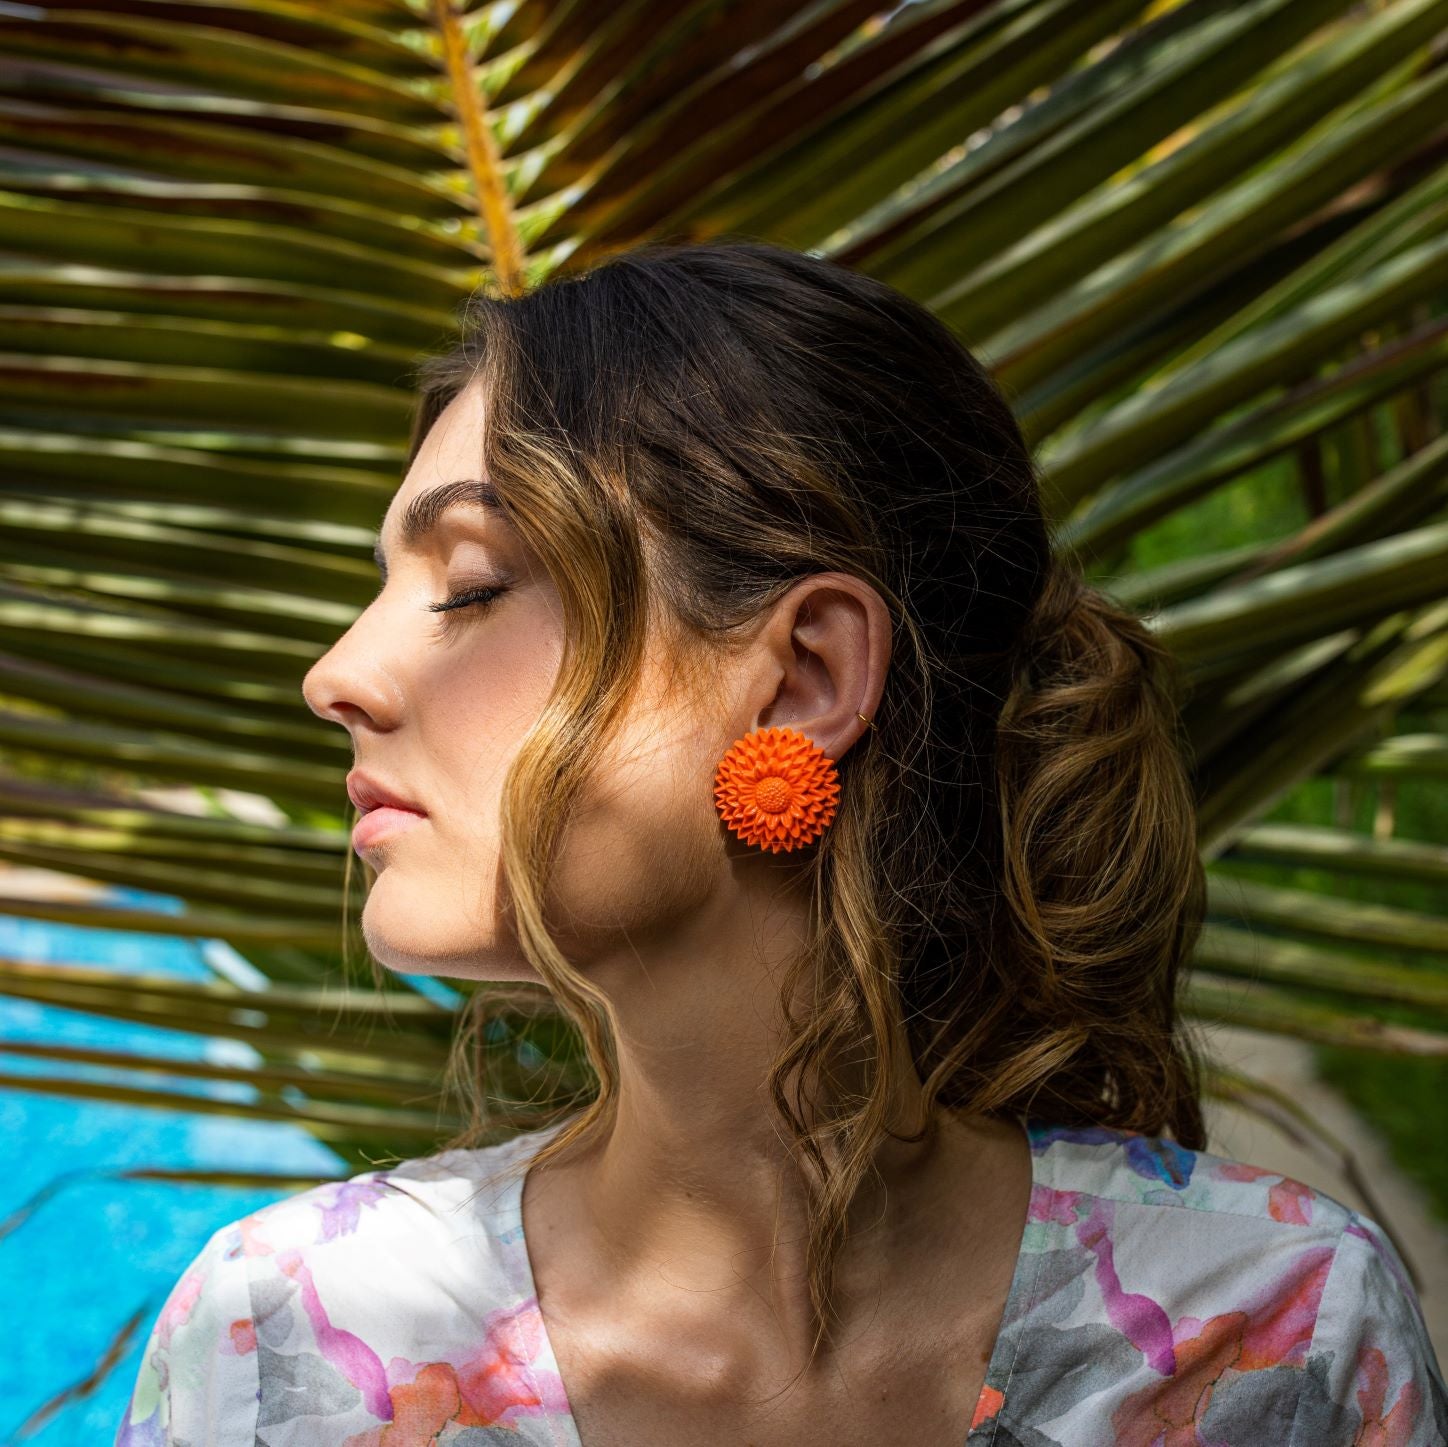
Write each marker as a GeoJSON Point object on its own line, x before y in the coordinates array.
{"type": "Point", "coordinates": [1003, 1352]}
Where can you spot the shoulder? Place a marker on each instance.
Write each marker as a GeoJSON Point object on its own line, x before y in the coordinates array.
{"type": "Point", "coordinates": [1137, 1169]}
{"type": "Point", "coordinates": [419, 1225]}
{"type": "Point", "coordinates": [197, 1381]}
{"type": "Point", "coordinates": [1267, 1303]}
{"type": "Point", "coordinates": [1372, 1371]}
{"type": "Point", "coordinates": [1187, 1234]}
{"type": "Point", "coordinates": [409, 1199]}
{"type": "Point", "coordinates": [291, 1308]}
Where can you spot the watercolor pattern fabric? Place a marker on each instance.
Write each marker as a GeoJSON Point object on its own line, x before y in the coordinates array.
{"type": "Point", "coordinates": [1161, 1298]}
{"type": "Point", "coordinates": [1172, 1298]}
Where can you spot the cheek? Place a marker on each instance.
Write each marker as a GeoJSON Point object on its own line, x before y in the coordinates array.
{"type": "Point", "coordinates": [646, 845]}
{"type": "Point", "coordinates": [475, 710]}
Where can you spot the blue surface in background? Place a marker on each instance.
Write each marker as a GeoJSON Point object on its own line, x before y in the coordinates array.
{"type": "Point", "coordinates": [96, 1250]}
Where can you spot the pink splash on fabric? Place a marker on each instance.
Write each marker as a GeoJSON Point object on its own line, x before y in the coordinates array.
{"type": "Point", "coordinates": [345, 1351]}
{"type": "Point", "coordinates": [1393, 1428]}
{"type": "Point", "coordinates": [177, 1310]}
{"type": "Point", "coordinates": [1283, 1314]}
{"type": "Point", "coordinates": [1049, 1204]}
{"type": "Point", "coordinates": [1272, 1328]}
{"type": "Point", "coordinates": [1138, 1318]}
{"type": "Point", "coordinates": [1287, 1199]}
{"type": "Point", "coordinates": [1290, 1200]}
{"type": "Point", "coordinates": [1240, 1171]}
{"type": "Point", "coordinates": [502, 1380]}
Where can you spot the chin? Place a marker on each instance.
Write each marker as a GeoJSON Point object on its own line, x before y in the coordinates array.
{"type": "Point", "coordinates": [411, 933]}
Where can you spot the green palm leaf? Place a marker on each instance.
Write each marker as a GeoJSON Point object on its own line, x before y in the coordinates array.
{"type": "Point", "coordinates": [1200, 245]}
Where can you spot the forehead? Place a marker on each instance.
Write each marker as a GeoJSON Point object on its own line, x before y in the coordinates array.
{"type": "Point", "coordinates": [453, 448]}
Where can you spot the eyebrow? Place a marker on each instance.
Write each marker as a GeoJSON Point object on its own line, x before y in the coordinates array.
{"type": "Point", "coordinates": [425, 510]}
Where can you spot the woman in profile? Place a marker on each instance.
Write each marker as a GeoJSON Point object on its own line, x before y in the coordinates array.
{"type": "Point", "coordinates": [723, 681]}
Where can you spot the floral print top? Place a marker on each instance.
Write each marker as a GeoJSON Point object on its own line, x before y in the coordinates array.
{"type": "Point", "coordinates": [1161, 1298]}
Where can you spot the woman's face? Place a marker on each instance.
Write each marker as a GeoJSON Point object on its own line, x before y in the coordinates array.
{"type": "Point", "coordinates": [437, 704]}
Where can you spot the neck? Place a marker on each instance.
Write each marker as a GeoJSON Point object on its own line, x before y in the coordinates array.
{"type": "Point", "coordinates": [695, 1183]}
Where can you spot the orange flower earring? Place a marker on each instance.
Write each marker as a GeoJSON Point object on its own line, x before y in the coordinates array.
{"type": "Point", "coordinates": [777, 789]}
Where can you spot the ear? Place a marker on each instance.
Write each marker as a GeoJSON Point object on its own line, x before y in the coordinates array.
{"type": "Point", "coordinates": [822, 657]}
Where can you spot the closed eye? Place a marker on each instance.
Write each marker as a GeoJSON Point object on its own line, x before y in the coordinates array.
{"type": "Point", "coordinates": [468, 597]}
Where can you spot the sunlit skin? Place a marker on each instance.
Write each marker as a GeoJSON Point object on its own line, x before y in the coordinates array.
{"type": "Point", "coordinates": [665, 1300]}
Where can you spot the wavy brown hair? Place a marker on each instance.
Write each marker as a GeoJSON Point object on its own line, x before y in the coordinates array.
{"type": "Point", "coordinates": [1011, 882]}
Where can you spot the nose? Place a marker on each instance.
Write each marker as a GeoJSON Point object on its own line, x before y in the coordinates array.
{"type": "Point", "coordinates": [351, 685]}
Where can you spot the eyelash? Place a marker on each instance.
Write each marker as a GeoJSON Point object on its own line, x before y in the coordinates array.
{"type": "Point", "coordinates": [481, 596]}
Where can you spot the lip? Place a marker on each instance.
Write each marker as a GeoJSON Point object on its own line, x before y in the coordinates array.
{"type": "Point", "coordinates": [385, 811]}
{"type": "Point", "coordinates": [368, 792]}
{"type": "Point", "coordinates": [383, 822]}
